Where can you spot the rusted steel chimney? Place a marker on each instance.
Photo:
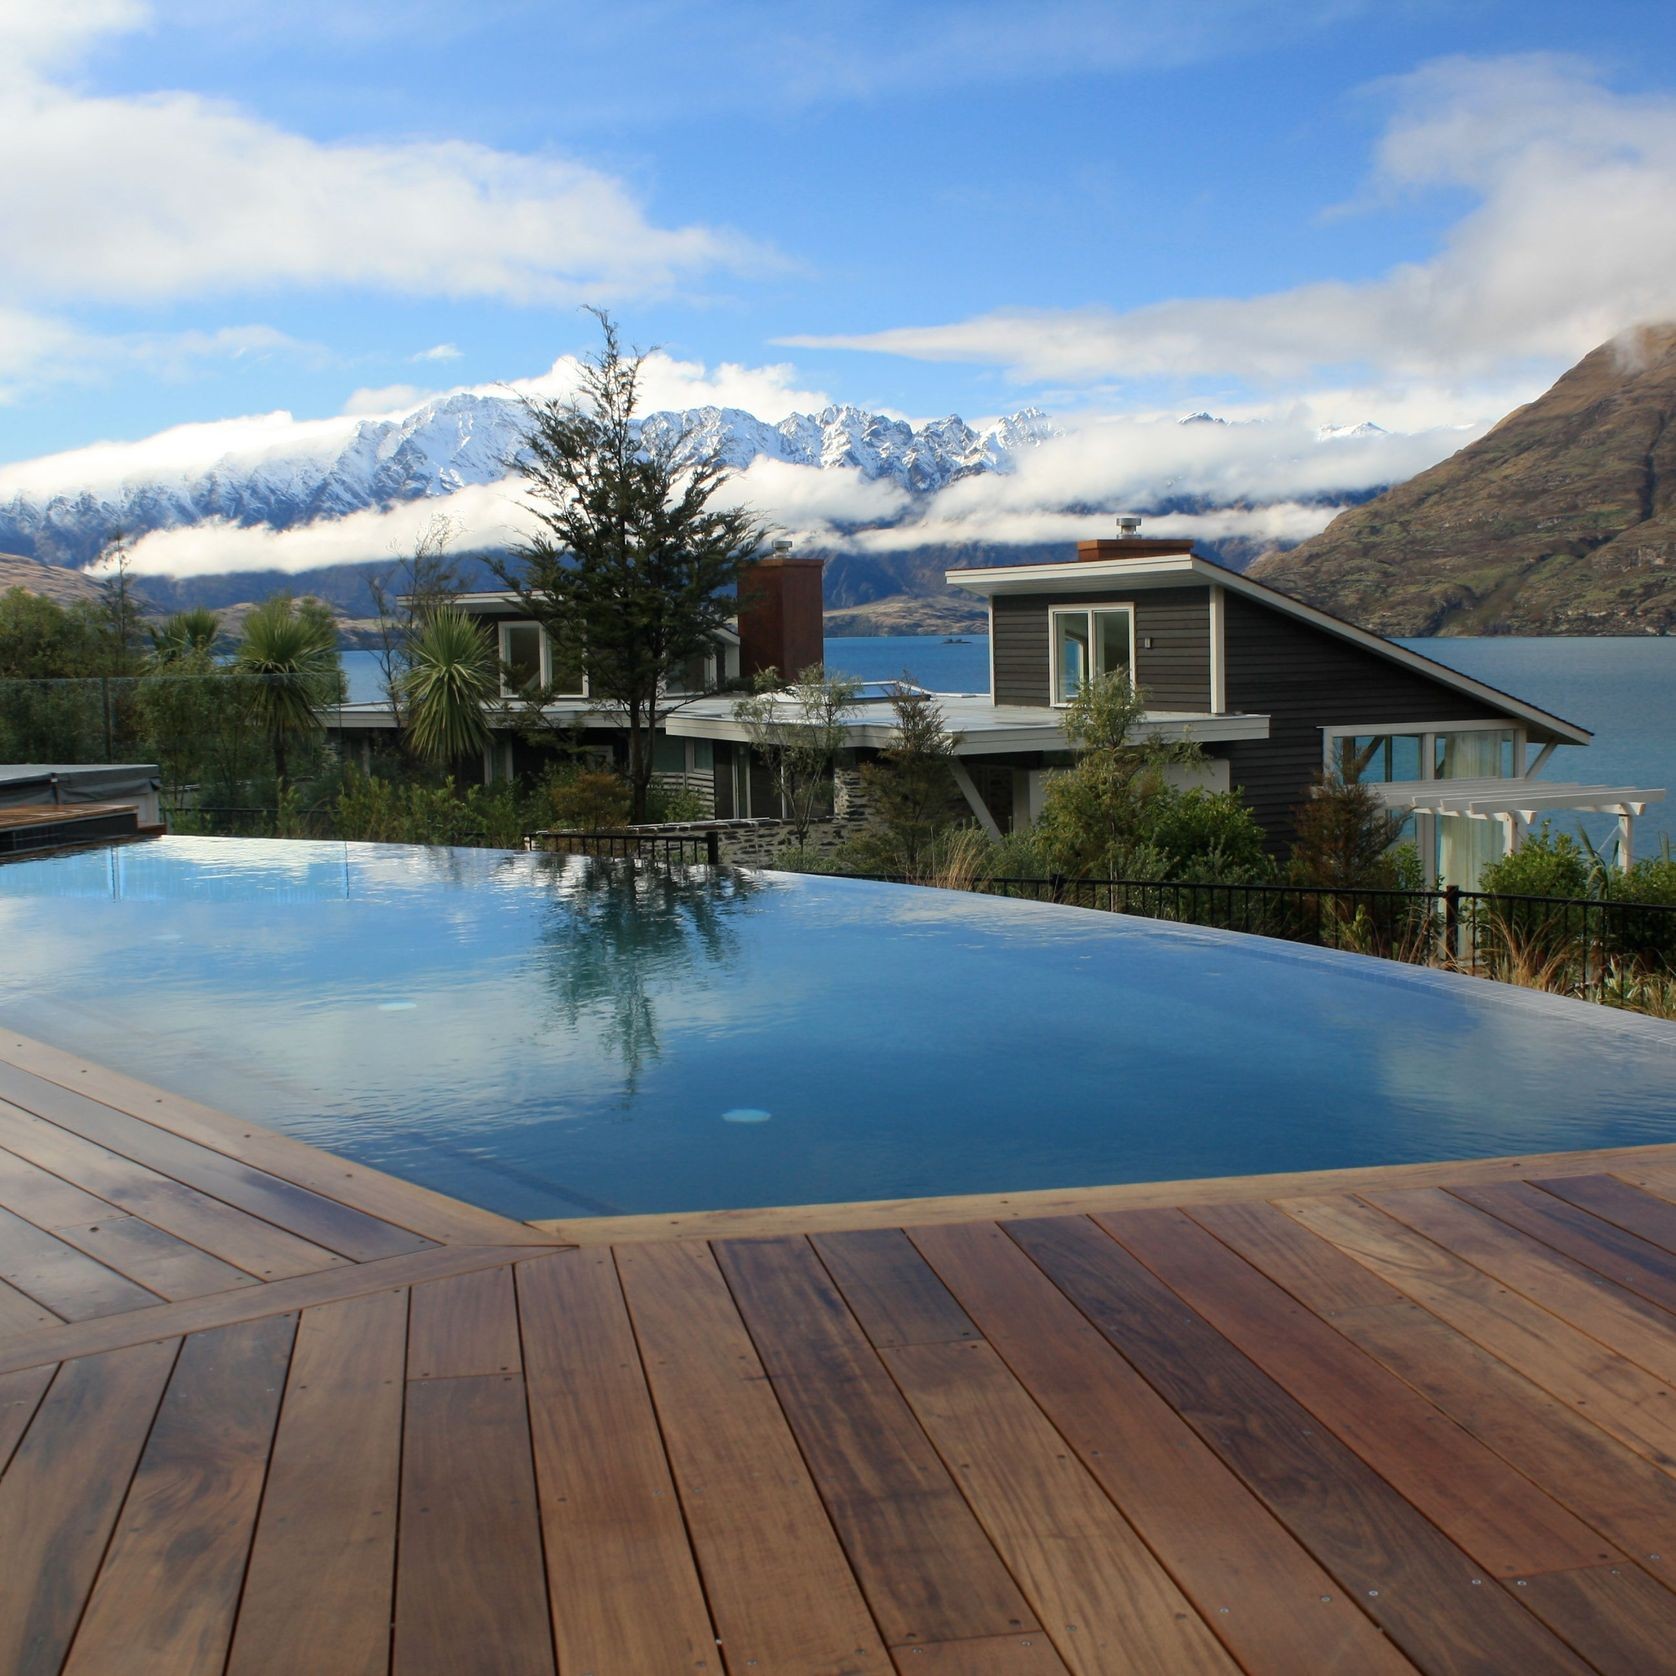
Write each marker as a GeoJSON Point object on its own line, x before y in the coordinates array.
{"type": "Point", "coordinates": [780, 621]}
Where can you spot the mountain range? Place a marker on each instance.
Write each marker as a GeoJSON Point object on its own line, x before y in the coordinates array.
{"type": "Point", "coordinates": [467, 439]}
{"type": "Point", "coordinates": [1560, 520]}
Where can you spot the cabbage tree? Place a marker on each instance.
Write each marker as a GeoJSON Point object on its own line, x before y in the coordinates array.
{"type": "Point", "coordinates": [291, 646]}
{"type": "Point", "coordinates": [451, 678]}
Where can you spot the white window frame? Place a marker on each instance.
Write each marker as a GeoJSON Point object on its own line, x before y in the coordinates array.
{"type": "Point", "coordinates": [506, 625]}
{"type": "Point", "coordinates": [1090, 611]}
{"type": "Point", "coordinates": [1428, 732]}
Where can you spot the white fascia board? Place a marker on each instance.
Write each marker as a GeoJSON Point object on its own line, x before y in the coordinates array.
{"type": "Point", "coordinates": [1079, 576]}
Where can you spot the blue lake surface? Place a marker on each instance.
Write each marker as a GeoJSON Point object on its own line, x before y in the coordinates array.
{"type": "Point", "coordinates": [551, 1036]}
{"type": "Point", "coordinates": [1624, 689]}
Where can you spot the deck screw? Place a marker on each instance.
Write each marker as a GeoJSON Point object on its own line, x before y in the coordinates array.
{"type": "Point", "coordinates": [1478, 1582]}
{"type": "Point", "coordinates": [1655, 1556]}
{"type": "Point", "coordinates": [1373, 1592]}
{"type": "Point", "coordinates": [1326, 1600]}
{"type": "Point", "coordinates": [1519, 1583]}
{"type": "Point", "coordinates": [1223, 1610]}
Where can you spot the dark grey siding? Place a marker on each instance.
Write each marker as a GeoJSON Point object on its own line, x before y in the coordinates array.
{"type": "Point", "coordinates": [1304, 679]}
{"type": "Point", "coordinates": [1174, 672]}
{"type": "Point", "coordinates": [1019, 647]}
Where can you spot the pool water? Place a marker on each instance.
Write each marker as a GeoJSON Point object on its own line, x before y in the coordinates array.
{"type": "Point", "coordinates": [551, 1036]}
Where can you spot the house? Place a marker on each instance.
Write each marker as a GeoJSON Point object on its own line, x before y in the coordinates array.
{"type": "Point", "coordinates": [1275, 691]}
{"type": "Point", "coordinates": [1271, 689]}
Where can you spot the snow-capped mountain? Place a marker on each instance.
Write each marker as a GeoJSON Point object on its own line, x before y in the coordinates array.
{"type": "Point", "coordinates": [468, 439]}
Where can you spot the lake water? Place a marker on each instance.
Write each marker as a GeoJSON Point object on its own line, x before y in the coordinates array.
{"type": "Point", "coordinates": [1622, 688]}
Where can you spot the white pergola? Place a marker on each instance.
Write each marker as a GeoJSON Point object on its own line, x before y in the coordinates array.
{"type": "Point", "coordinates": [1517, 802]}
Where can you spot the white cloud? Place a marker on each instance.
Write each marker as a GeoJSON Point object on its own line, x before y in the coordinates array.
{"type": "Point", "coordinates": [177, 455]}
{"type": "Point", "coordinates": [167, 195]}
{"type": "Point", "coordinates": [1570, 241]}
{"type": "Point", "coordinates": [40, 349]}
{"type": "Point", "coordinates": [489, 515]}
{"type": "Point", "coordinates": [386, 400]}
{"type": "Point", "coordinates": [668, 384]}
{"type": "Point", "coordinates": [438, 352]}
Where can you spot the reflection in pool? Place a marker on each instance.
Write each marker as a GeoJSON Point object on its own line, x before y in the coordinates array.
{"type": "Point", "coordinates": [551, 1036]}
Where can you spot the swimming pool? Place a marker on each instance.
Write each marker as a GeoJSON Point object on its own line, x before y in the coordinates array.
{"type": "Point", "coordinates": [550, 1036]}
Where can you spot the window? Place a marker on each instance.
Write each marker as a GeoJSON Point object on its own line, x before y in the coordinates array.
{"type": "Point", "coordinates": [527, 655]}
{"type": "Point", "coordinates": [1090, 643]}
{"type": "Point", "coordinates": [1483, 753]}
{"type": "Point", "coordinates": [520, 652]}
{"type": "Point", "coordinates": [694, 676]}
{"type": "Point", "coordinates": [1379, 758]}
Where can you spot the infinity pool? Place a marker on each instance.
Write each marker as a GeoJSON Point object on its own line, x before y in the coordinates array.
{"type": "Point", "coordinates": [554, 1037]}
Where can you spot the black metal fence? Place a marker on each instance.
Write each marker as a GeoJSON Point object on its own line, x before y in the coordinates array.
{"type": "Point", "coordinates": [1556, 942]}
{"type": "Point", "coordinates": [1574, 940]}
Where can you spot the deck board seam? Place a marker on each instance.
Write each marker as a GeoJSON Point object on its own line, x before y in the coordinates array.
{"type": "Point", "coordinates": [348, 1280]}
{"type": "Point", "coordinates": [1546, 1254]}
{"type": "Point", "coordinates": [423, 1202]}
{"type": "Point", "coordinates": [1301, 1537]}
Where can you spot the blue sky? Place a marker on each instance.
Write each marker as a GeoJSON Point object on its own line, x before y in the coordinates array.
{"type": "Point", "coordinates": [1414, 211]}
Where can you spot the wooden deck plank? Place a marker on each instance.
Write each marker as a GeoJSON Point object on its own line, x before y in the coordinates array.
{"type": "Point", "coordinates": [780, 1591]}
{"type": "Point", "coordinates": [1492, 1511]}
{"type": "Point", "coordinates": [258, 1247]}
{"type": "Point", "coordinates": [922, 1559]}
{"type": "Point", "coordinates": [312, 1216]}
{"type": "Point", "coordinates": [323, 1563]}
{"type": "Point", "coordinates": [20, 1396]}
{"type": "Point", "coordinates": [1619, 1319]}
{"type": "Point", "coordinates": [20, 1313]}
{"type": "Point", "coordinates": [1004, 1655]}
{"type": "Point", "coordinates": [1275, 1608]}
{"type": "Point", "coordinates": [166, 1594]}
{"type": "Point", "coordinates": [404, 1204]}
{"type": "Point", "coordinates": [1416, 1584]}
{"type": "Point", "coordinates": [621, 1577]}
{"type": "Point", "coordinates": [1625, 1497]}
{"type": "Point", "coordinates": [891, 1290]}
{"type": "Point", "coordinates": [1622, 1399]}
{"type": "Point", "coordinates": [1635, 1264]}
{"type": "Point", "coordinates": [72, 1285]}
{"type": "Point", "coordinates": [153, 1259]}
{"type": "Point", "coordinates": [1101, 1595]}
{"type": "Point", "coordinates": [60, 1497]}
{"type": "Point", "coordinates": [466, 1324]}
{"type": "Point", "coordinates": [250, 1303]}
{"type": "Point", "coordinates": [45, 1199]}
{"type": "Point", "coordinates": [1622, 1620]}
{"type": "Point", "coordinates": [471, 1591]}
{"type": "Point", "coordinates": [1631, 1208]}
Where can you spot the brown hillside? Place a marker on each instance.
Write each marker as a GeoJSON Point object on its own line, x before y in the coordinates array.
{"type": "Point", "coordinates": [1562, 520]}
{"type": "Point", "coordinates": [36, 576]}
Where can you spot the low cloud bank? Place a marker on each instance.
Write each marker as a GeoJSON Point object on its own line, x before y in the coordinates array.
{"type": "Point", "coordinates": [1270, 481]}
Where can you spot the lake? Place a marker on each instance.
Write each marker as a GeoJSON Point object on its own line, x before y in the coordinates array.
{"type": "Point", "coordinates": [1622, 688]}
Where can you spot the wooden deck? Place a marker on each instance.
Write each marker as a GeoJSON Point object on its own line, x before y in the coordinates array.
{"type": "Point", "coordinates": [266, 1412]}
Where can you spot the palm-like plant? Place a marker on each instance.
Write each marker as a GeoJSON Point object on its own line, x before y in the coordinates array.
{"type": "Point", "coordinates": [187, 635]}
{"type": "Point", "coordinates": [451, 677]}
{"type": "Point", "coordinates": [292, 645]}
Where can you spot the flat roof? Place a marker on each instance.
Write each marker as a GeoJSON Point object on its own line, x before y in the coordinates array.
{"type": "Point", "coordinates": [984, 729]}
{"type": "Point", "coordinates": [1098, 576]}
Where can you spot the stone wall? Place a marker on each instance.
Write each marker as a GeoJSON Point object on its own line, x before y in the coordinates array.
{"type": "Point", "coordinates": [741, 843]}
